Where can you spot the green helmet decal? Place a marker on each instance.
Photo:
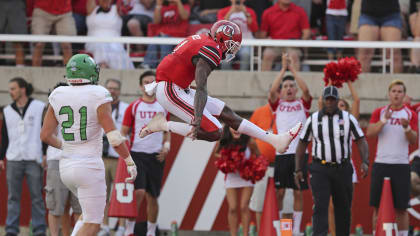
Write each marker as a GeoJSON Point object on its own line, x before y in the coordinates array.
{"type": "Point", "coordinates": [82, 69]}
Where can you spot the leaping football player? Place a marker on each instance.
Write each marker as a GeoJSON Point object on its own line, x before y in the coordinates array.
{"type": "Point", "coordinates": [82, 110]}
{"type": "Point", "coordinates": [194, 59]}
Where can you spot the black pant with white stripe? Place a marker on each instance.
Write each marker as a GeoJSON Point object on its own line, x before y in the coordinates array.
{"type": "Point", "coordinates": [331, 181]}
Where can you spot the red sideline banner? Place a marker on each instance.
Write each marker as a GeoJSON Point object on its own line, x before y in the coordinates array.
{"type": "Point", "coordinates": [122, 202]}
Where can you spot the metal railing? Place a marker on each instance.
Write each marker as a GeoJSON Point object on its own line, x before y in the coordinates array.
{"type": "Point", "coordinates": [253, 43]}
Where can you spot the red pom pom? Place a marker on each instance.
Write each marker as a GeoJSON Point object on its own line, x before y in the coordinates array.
{"type": "Point", "coordinates": [225, 163]}
{"type": "Point", "coordinates": [346, 69]}
{"type": "Point", "coordinates": [254, 169]}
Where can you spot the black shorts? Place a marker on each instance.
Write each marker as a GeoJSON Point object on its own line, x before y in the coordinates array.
{"type": "Point", "coordinates": [415, 165]}
{"type": "Point", "coordinates": [142, 19]}
{"type": "Point", "coordinates": [400, 183]}
{"type": "Point", "coordinates": [284, 172]}
{"type": "Point", "coordinates": [150, 172]}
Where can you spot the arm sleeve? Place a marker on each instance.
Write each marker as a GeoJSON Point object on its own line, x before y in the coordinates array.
{"type": "Point", "coordinates": [264, 23]}
{"type": "Point", "coordinates": [253, 27]}
{"type": "Point", "coordinates": [274, 105]}
{"type": "Point", "coordinates": [376, 116]}
{"type": "Point", "coordinates": [307, 104]}
{"type": "Point", "coordinates": [222, 13]}
{"type": "Point", "coordinates": [304, 21]}
{"type": "Point", "coordinates": [306, 133]}
{"type": "Point", "coordinates": [355, 130]}
{"type": "Point", "coordinates": [414, 121]}
{"type": "Point", "coordinates": [128, 116]}
{"type": "Point", "coordinates": [4, 140]}
{"type": "Point", "coordinates": [210, 55]}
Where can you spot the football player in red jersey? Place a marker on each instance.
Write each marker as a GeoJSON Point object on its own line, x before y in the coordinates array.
{"type": "Point", "coordinates": [194, 59]}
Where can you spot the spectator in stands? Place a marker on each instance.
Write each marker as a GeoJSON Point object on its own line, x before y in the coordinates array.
{"type": "Point", "coordinates": [21, 143]}
{"type": "Point", "coordinates": [110, 156]}
{"type": "Point", "coordinates": [104, 20]}
{"type": "Point", "coordinates": [246, 19]}
{"type": "Point", "coordinates": [283, 20]}
{"type": "Point", "coordinates": [135, 23]}
{"type": "Point", "coordinates": [79, 15]}
{"type": "Point", "coordinates": [380, 20]}
{"type": "Point", "coordinates": [13, 21]}
{"type": "Point", "coordinates": [354, 19]}
{"type": "Point", "coordinates": [205, 12]}
{"type": "Point", "coordinates": [148, 153]}
{"type": "Point", "coordinates": [46, 15]}
{"type": "Point", "coordinates": [289, 109]}
{"type": "Point", "coordinates": [57, 195]}
{"type": "Point", "coordinates": [171, 20]}
{"type": "Point", "coordinates": [264, 118]}
{"type": "Point", "coordinates": [336, 20]}
{"type": "Point", "coordinates": [415, 30]}
{"type": "Point", "coordinates": [236, 187]}
{"type": "Point", "coordinates": [395, 125]}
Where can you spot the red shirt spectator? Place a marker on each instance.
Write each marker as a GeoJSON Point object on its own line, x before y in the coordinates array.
{"type": "Point", "coordinates": [253, 27]}
{"type": "Point", "coordinates": [56, 7]}
{"type": "Point", "coordinates": [171, 23]}
{"type": "Point", "coordinates": [79, 7]}
{"type": "Point", "coordinates": [284, 24]}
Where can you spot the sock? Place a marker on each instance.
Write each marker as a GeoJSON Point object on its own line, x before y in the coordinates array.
{"type": "Point", "coordinates": [151, 228]}
{"type": "Point", "coordinates": [179, 128]}
{"type": "Point", "coordinates": [403, 233]}
{"type": "Point", "coordinates": [129, 227]}
{"type": "Point", "coordinates": [297, 219]}
{"type": "Point", "coordinates": [281, 214]}
{"type": "Point", "coordinates": [76, 228]}
{"type": "Point", "coordinates": [250, 129]}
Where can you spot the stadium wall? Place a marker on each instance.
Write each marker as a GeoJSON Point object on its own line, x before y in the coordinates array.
{"type": "Point", "coordinates": [243, 91]}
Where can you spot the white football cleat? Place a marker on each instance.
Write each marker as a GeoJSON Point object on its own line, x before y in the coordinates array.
{"type": "Point", "coordinates": [282, 141]}
{"type": "Point", "coordinates": [157, 124]}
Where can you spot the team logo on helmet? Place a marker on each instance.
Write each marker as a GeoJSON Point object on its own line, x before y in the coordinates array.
{"type": "Point", "coordinates": [227, 30]}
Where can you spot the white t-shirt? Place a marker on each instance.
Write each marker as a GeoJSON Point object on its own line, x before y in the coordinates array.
{"type": "Point", "coordinates": [392, 147]}
{"type": "Point", "coordinates": [75, 109]}
{"type": "Point", "coordinates": [240, 19]}
{"type": "Point", "coordinates": [139, 9]}
{"type": "Point", "coordinates": [337, 7]}
{"type": "Point", "coordinates": [138, 114]}
{"type": "Point", "coordinates": [288, 114]}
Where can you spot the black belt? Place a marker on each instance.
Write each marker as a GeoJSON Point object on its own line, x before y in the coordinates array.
{"type": "Point", "coordinates": [330, 164]}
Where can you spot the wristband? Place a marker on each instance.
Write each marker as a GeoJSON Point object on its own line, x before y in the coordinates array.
{"type": "Point", "coordinates": [167, 145]}
{"type": "Point", "coordinates": [129, 161]}
{"type": "Point", "coordinates": [384, 120]}
{"type": "Point", "coordinates": [407, 129]}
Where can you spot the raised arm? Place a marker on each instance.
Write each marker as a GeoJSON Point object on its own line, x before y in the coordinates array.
{"type": "Point", "coordinates": [355, 107]}
{"type": "Point", "coordinates": [157, 16]}
{"type": "Point", "coordinates": [183, 13]}
{"type": "Point", "coordinates": [278, 80]}
{"type": "Point", "coordinates": [306, 95]}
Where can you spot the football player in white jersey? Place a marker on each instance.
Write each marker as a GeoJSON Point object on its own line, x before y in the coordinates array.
{"type": "Point", "coordinates": [81, 111]}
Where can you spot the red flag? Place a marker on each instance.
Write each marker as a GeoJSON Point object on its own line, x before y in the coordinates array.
{"type": "Point", "coordinates": [386, 224]}
{"type": "Point", "coordinates": [270, 220]}
{"type": "Point", "coordinates": [122, 202]}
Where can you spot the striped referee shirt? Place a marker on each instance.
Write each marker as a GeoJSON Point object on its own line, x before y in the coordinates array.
{"type": "Point", "coordinates": [331, 135]}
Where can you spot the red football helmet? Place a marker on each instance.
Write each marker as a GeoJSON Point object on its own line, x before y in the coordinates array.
{"type": "Point", "coordinates": [228, 35]}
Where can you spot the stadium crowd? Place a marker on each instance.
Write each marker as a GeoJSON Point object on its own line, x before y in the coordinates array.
{"type": "Point", "coordinates": [391, 20]}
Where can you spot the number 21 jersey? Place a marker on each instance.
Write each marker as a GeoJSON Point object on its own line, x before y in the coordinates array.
{"type": "Point", "coordinates": [75, 108]}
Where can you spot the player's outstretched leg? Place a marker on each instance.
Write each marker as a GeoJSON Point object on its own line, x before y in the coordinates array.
{"type": "Point", "coordinates": [279, 141]}
{"type": "Point", "coordinates": [159, 123]}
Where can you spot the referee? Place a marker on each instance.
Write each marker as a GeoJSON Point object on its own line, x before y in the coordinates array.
{"type": "Point", "coordinates": [331, 131]}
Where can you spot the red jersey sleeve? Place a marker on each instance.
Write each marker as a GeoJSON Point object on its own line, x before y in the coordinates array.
{"type": "Point", "coordinates": [307, 104]}
{"type": "Point", "coordinates": [265, 24]}
{"type": "Point", "coordinates": [414, 122]}
{"type": "Point", "coordinates": [253, 27]}
{"type": "Point", "coordinates": [128, 116]}
{"type": "Point", "coordinates": [376, 116]}
{"type": "Point", "coordinates": [210, 55]}
{"type": "Point", "coordinates": [222, 13]}
{"type": "Point", "coordinates": [304, 21]}
{"type": "Point", "coordinates": [416, 107]}
{"type": "Point", "coordinates": [274, 105]}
